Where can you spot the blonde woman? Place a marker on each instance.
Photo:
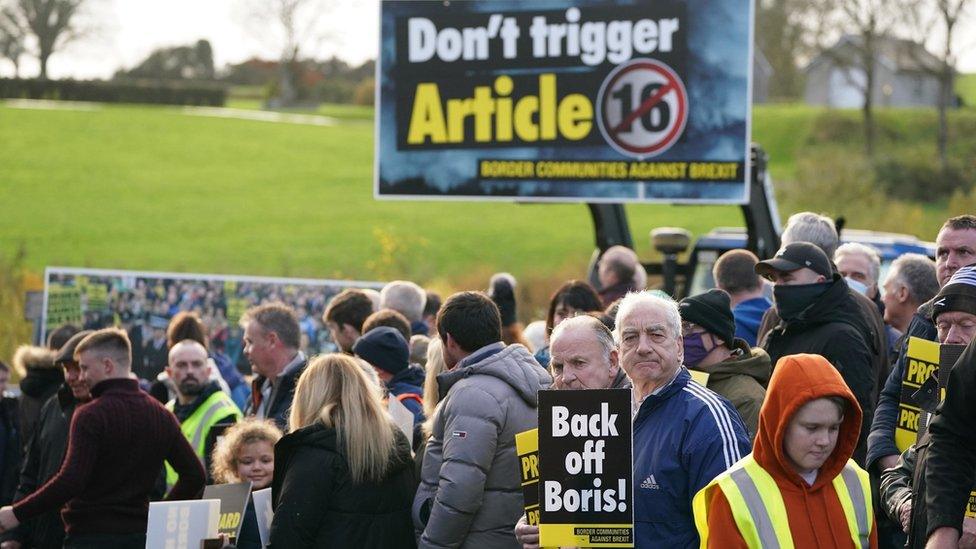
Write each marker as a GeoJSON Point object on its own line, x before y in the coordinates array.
{"type": "Point", "coordinates": [246, 454]}
{"type": "Point", "coordinates": [343, 476]}
{"type": "Point", "coordinates": [435, 366]}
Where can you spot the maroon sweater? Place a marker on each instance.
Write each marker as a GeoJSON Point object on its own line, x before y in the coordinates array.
{"type": "Point", "coordinates": [116, 447]}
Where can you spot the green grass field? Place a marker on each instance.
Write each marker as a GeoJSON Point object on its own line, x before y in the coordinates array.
{"type": "Point", "coordinates": [151, 188]}
{"type": "Point", "coordinates": [966, 88]}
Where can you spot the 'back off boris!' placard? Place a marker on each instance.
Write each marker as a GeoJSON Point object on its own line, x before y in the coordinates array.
{"type": "Point", "coordinates": [585, 471]}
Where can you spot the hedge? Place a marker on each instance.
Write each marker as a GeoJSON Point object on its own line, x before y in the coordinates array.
{"type": "Point", "coordinates": [116, 91]}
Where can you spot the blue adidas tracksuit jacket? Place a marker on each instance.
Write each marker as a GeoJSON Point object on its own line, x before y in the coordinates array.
{"type": "Point", "coordinates": [684, 437]}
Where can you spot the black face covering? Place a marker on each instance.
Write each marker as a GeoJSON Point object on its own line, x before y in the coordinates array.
{"type": "Point", "coordinates": [791, 301]}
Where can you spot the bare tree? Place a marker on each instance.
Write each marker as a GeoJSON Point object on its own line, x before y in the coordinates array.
{"type": "Point", "coordinates": [867, 22]}
{"type": "Point", "coordinates": [294, 27]}
{"type": "Point", "coordinates": [784, 34]}
{"type": "Point", "coordinates": [923, 19]}
{"type": "Point", "coordinates": [51, 24]}
{"type": "Point", "coordinates": [12, 38]}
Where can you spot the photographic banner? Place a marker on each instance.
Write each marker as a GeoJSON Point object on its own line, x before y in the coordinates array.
{"type": "Point", "coordinates": [144, 302]}
{"type": "Point", "coordinates": [585, 468]}
{"type": "Point", "coordinates": [580, 100]}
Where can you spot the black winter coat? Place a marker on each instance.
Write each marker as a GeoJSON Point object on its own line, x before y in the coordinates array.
{"type": "Point", "coordinates": [316, 503]}
{"type": "Point", "coordinates": [11, 449]}
{"type": "Point", "coordinates": [43, 458]}
{"type": "Point", "coordinates": [282, 393]}
{"type": "Point", "coordinates": [830, 327]}
{"type": "Point", "coordinates": [41, 383]}
{"type": "Point", "coordinates": [951, 468]}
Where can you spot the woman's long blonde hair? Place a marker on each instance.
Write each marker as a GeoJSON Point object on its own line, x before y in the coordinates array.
{"type": "Point", "coordinates": [435, 365]}
{"type": "Point", "coordinates": [334, 390]}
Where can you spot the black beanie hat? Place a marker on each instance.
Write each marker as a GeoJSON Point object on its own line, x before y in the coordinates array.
{"type": "Point", "coordinates": [711, 310]}
{"type": "Point", "coordinates": [384, 348]}
{"type": "Point", "coordinates": [959, 294]}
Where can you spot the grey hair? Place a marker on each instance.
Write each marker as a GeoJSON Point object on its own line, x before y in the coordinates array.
{"type": "Point", "coordinates": [404, 297]}
{"type": "Point", "coordinates": [374, 296]}
{"type": "Point", "coordinates": [816, 229]}
{"type": "Point", "coordinates": [917, 273]}
{"type": "Point", "coordinates": [590, 323]}
{"type": "Point", "coordinates": [634, 300]}
{"type": "Point", "coordinates": [852, 248]}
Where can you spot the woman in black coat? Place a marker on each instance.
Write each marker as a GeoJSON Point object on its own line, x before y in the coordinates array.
{"type": "Point", "coordinates": [344, 476]}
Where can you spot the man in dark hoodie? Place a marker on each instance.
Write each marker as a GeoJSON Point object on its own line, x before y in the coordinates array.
{"type": "Point", "coordinates": [735, 370]}
{"type": "Point", "coordinates": [45, 451]}
{"type": "Point", "coordinates": [819, 317]}
{"type": "Point", "coordinates": [385, 349]}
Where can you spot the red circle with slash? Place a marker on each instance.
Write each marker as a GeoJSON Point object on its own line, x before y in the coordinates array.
{"type": "Point", "coordinates": [637, 74]}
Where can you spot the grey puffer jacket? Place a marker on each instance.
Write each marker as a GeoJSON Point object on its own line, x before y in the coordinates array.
{"type": "Point", "coordinates": [470, 493]}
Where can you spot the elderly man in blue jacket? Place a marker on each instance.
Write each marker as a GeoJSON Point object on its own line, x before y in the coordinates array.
{"type": "Point", "coordinates": [684, 434]}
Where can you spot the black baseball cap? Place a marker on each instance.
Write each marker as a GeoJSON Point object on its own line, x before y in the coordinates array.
{"type": "Point", "coordinates": [797, 255]}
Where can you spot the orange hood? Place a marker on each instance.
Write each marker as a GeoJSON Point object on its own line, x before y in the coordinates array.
{"type": "Point", "coordinates": [798, 379]}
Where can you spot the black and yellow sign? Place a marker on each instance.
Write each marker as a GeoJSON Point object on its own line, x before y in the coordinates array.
{"type": "Point", "coordinates": [233, 502]}
{"type": "Point", "coordinates": [637, 101]}
{"type": "Point", "coordinates": [585, 468]}
{"type": "Point", "coordinates": [921, 362]}
{"type": "Point", "coordinates": [527, 446]}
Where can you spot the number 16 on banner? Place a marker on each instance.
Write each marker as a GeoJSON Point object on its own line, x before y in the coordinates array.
{"type": "Point", "coordinates": [643, 108]}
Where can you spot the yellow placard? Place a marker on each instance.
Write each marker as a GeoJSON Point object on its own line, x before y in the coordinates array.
{"type": "Point", "coordinates": [527, 447]}
{"type": "Point", "coordinates": [922, 361]}
{"type": "Point", "coordinates": [700, 377]}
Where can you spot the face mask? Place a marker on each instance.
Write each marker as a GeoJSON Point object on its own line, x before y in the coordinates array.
{"type": "Point", "coordinates": [791, 301]}
{"type": "Point", "coordinates": [858, 287]}
{"type": "Point", "coordinates": [695, 351]}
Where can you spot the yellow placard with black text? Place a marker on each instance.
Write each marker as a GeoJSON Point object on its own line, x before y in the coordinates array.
{"type": "Point", "coordinates": [922, 361]}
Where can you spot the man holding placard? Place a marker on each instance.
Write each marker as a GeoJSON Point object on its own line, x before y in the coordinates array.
{"type": "Point", "coordinates": [903, 492]}
{"type": "Point", "coordinates": [684, 434]}
{"type": "Point", "coordinates": [584, 356]}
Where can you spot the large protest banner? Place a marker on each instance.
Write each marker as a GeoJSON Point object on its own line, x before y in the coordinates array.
{"type": "Point", "coordinates": [585, 468]}
{"type": "Point", "coordinates": [142, 301]}
{"type": "Point", "coordinates": [578, 100]}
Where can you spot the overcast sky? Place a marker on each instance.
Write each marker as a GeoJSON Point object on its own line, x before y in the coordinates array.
{"type": "Point", "coordinates": [128, 30]}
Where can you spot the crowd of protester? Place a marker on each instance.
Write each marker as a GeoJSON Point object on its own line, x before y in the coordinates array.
{"type": "Point", "coordinates": [756, 422]}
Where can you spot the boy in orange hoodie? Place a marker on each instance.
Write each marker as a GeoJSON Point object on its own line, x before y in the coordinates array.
{"type": "Point", "coordinates": [798, 488]}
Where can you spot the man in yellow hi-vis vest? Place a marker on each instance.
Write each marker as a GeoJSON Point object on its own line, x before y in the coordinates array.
{"type": "Point", "coordinates": [798, 488]}
{"type": "Point", "coordinates": [199, 403]}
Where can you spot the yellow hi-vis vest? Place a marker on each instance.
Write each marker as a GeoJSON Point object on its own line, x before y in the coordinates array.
{"type": "Point", "coordinates": [217, 406]}
{"type": "Point", "coordinates": [759, 512]}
